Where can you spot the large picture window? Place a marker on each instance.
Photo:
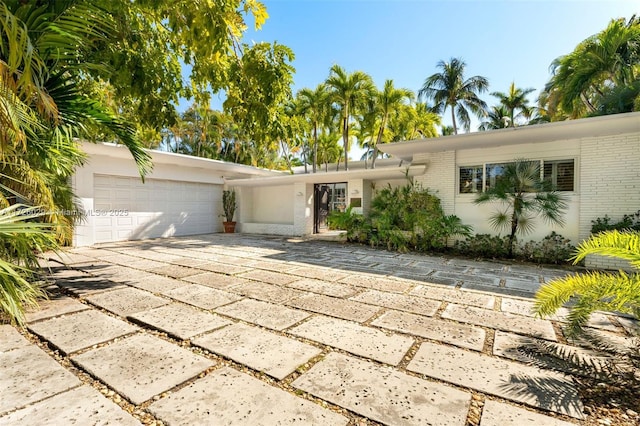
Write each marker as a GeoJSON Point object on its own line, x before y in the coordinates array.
{"type": "Point", "coordinates": [477, 178]}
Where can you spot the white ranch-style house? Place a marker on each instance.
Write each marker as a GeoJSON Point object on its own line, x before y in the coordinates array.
{"type": "Point", "coordinates": [595, 162]}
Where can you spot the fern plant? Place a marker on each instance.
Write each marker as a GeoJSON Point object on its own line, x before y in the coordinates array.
{"type": "Point", "coordinates": [597, 290]}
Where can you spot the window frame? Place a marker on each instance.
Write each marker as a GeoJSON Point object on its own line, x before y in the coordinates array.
{"type": "Point", "coordinates": [484, 165]}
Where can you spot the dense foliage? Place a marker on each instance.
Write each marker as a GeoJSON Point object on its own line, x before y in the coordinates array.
{"type": "Point", "coordinates": [402, 218]}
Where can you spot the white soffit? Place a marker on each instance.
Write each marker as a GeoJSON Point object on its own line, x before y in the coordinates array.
{"type": "Point", "coordinates": [607, 125]}
{"type": "Point", "coordinates": [331, 177]}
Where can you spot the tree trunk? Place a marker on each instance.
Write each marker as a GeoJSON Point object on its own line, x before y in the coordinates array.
{"type": "Point", "coordinates": [345, 139]}
{"type": "Point", "coordinates": [315, 146]}
{"type": "Point", "coordinates": [453, 119]}
{"type": "Point", "coordinates": [378, 141]}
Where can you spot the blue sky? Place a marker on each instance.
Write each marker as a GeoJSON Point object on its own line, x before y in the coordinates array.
{"type": "Point", "coordinates": [403, 40]}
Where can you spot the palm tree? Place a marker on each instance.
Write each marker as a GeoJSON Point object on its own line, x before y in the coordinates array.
{"type": "Point", "coordinates": [524, 194]}
{"type": "Point", "coordinates": [598, 65]}
{"type": "Point", "coordinates": [388, 102]}
{"type": "Point", "coordinates": [450, 89]}
{"type": "Point", "coordinates": [515, 100]}
{"type": "Point", "coordinates": [348, 92]}
{"type": "Point", "coordinates": [313, 104]}
{"type": "Point", "coordinates": [595, 291]}
{"type": "Point", "coordinates": [43, 58]}
{"type": "Point", "coordinates": [497, 118]}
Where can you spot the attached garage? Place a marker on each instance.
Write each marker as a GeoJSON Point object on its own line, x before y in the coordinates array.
{"type": "Point", "coordinates": [182, 196]}
{"type": "Point", "coordinates": [125, 208]}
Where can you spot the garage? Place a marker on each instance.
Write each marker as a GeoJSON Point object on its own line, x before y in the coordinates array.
{"type": "Point", "coordinates": [182, 195]}
{"type": "Point", "coordinates": [125, 208]}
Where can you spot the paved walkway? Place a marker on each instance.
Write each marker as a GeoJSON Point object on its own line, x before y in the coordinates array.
{"type": "Point", "coordinates": [248, 330]}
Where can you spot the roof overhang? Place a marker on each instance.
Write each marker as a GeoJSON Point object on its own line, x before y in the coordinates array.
{"type": "Point", "coordinates": [607, 125]}
{"type": "Point", "coordinates": [331, 177]}
{"type": "Point", "coordinates": [160, 157]}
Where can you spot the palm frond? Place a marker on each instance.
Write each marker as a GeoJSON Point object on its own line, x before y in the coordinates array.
{"type": "Point", "coordinates": [623, 245]}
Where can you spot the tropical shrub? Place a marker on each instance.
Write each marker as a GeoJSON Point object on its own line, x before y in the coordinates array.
{"type": "Point", "coordinates": [403, 218]}
{"type": "Point", "coordinates": [628, 221]}
{"type": "Point", "coordinates": [483, 245]}
{"type": "Point", "coordinates": [597, 290]}
{"type": "Point", "coordinates": [553, 249]}
{"type": "Point", "coordinates": [21, 240]}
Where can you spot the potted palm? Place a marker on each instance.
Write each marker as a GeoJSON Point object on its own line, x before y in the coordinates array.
{"type": "Point", "coordinates": [229, 206]}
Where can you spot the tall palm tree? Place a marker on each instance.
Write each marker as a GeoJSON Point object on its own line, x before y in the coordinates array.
{"type": "Point", "coordinates": [599, 64]}
{"type": "Point", "coordinates": [314, 104]}
{"type": "Point", "coordinates": [516, 103]}
{"type": "Point", "coordinates": [449, 89]}
{"type": "Point", "coordinates": [348, 91]}
{"type": "Point", "coordinates": [388, 102]}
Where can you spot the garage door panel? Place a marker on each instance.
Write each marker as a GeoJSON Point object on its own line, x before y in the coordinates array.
{"type": "Point", "coordinates": [157, 208]}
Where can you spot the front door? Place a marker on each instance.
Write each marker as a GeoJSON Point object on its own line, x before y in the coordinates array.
{"type": "Point", "coordinates": [321, 197]}
{"type": "Point", "coordinates": [328, 197]}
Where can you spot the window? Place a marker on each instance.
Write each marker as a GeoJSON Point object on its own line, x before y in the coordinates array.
{"type": "Point", "coordinates": [474, 179]}
{"type": "Point", "coordinates": [560, 174]}
{"type": "Point", "coordinates": [470, 179]}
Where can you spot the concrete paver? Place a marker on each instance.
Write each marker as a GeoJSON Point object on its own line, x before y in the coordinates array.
{"type": "Point", "coordinates": [29, 375]}
{"type": "Point", "coordinates": [355, 338]}
{"type": "Point", "coordinates": [127, 301]}
{"type": "Point", "coordinates": [341, 308]}
{"type": "Point", "coordinates": [268, 315]}
{"type": "Point", "coordinates": [174, 271]}
{"type": "Point", "coordinates": [525, 307]}
{"type": "Point", "coordinates": [83, 406]}
{"type": "Point", "coordinates": [202, 296]}
{"type": "Point", "coordinates": [57, 304]}
{"type": "Point", "coordinates": [455, 296]}
{"type": "Point", "coordinates": [179, 320]}
{"type": "Point", "coordinates": [223, 268]}
{"type": "Point", "coordinates": [324, 287]}
{"type": "Point", "coordinates": [276, 355]}
{"type": "Point", "coordinates": [463, 335]}
{"type": "Point", "coordinates": [507, 379]}
{"type": "Point", "coordinates": [501, 321]}
{"type": "Point", "coordinates": [228, 397]}
{"type": "Point", "coordinates": [326, 274]}
{"type": "Point", "coordinates": [401, 302]}
{"type": "Point", "coordinates": [383, 394]}
{"type": "Point", "coordinates": [11, 339]}
{"type": "Point", "coordinates": [497, 413]}
{"type": "Point", "coordinates": [265, 292]}
{"type": "Point", "coordinates": [215, 280]}
{"type": "Point", "coordinates": [378, 283]}
{"type": "Point", "coordinates": [142, 366]}
{"type": "Point", "coordinates": [269, 277]}
{"type": "Point", "coordinates": [158, 284]}
{"type": "Point", "coordinates": [81, 330]}
{"type": "Point", "coordinates": [86, 285]}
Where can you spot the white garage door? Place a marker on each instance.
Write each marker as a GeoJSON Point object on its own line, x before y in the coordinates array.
{"type": "Point", "coordinates": [125, 208]}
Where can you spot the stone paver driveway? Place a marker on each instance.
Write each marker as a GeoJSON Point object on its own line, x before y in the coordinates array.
{"type": "Point", "coordinates": [248, 330]}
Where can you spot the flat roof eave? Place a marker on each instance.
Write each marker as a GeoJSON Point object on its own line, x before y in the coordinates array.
{"type": "Point", "coordinates": [607, 125]}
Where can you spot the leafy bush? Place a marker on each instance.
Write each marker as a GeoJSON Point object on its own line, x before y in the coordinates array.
{"type": "Point", "coordinates": [554, 248]}
{"type": "Point", "coordinates": [404, 218]}
{"type": "Point", "coordinates": [629, 221]}
{"type": "Point", "coordinates": [483, 245]}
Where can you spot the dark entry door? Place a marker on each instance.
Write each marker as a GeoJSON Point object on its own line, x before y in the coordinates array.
{"type": "Point", "coordinates": [321, 197]}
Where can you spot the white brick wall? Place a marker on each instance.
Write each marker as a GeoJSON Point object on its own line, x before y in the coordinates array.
{"type": "Point", "coordinates": [609, 185]}
{"type": "Point", "coordinates": [439, 177]}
